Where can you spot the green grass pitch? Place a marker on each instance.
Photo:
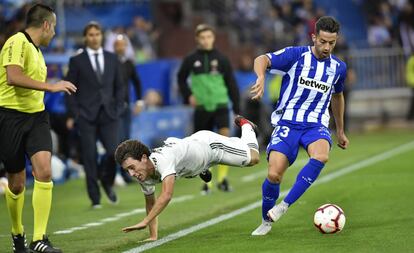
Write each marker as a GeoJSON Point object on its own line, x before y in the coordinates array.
{"type": "Point", "coordinates": [377, 201]}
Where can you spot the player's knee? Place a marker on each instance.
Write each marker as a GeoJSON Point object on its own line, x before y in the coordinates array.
{"type": "Point", "coordinates": [275, 177]}
{"type": "Point", "coordinates": [46, 177]}
{"type": "Point", "coordinates": [43, 174]}
{"type": "Point", "coordinates": [321, 157]}
{"type": "Point", "coordinates": [255, 159]}
{"type": "Point", "coordinates": [16, 187]}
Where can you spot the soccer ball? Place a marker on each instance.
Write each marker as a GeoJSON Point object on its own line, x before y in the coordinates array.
{"type": "Point", "coordinates": [329, 219]}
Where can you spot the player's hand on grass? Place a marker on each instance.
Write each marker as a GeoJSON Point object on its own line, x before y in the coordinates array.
{"type": "Point", "coordinates": [343, 141]}
{"type": "Point", "coordinates": [257, 89]}
{"type": "Point", "coordinates": [65, 86]}
{"type": "Point", "coordinates": [138, 226]}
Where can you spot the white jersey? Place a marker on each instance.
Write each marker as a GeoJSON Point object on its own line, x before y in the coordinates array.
{"type": "Point", "coordinates": [188, 157]}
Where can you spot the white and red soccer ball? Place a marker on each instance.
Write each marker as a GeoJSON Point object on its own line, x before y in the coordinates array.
{"type": "Point", "coordinates": [329, 219]}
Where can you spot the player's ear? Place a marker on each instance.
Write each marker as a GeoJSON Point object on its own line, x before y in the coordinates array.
{"type": "Point", "coordinates": [144, 157]}
{"type": "Point", "coordinates": [45, 25]}
{"type": "Point", "coordinates": [313, 38]}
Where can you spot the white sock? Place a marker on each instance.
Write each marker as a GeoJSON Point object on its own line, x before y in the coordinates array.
{"type": "Point", "coordinates": [249, 137]}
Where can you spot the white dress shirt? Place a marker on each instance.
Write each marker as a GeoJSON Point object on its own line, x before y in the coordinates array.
{"type": "Point", "coordinates": [91, 54]}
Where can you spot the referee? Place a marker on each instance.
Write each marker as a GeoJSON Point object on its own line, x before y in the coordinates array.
{"type": "Point", "coordinates": [24, 125]}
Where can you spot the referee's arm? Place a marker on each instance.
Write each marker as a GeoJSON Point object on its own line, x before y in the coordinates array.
{"type": "Point", "coordinates": [16, 77]}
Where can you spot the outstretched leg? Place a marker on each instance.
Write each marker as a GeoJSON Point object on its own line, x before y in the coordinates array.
{"type": "Point", "coordinates": [318, 152]}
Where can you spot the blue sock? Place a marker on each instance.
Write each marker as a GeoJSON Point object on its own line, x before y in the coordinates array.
{"type": "Point", "coordinates": [270, 193]}
{"type": "Point", "coordinates": [305, 178]}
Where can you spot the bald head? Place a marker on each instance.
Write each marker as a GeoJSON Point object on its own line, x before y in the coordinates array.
{"type": "Point", "coordinates": [120, 45]}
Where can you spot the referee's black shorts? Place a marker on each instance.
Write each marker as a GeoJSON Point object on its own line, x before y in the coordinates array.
{"type": "Point", "coordinates": [22, 134]}
{"type": "Point", "coordinates": [206, 120]}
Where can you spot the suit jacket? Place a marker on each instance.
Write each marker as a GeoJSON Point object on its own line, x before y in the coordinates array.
{"type": "Point", "coordinates": [92, 94]}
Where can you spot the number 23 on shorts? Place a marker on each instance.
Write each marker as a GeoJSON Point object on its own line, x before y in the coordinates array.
{"type": "Point", "coordinates": [282, 131]}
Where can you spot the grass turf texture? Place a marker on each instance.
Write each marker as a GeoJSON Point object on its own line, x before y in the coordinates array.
{"type": "Point", "coordinates": [376, 201]}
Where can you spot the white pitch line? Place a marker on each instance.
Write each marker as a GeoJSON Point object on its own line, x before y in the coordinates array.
{"type": "Point", "coordinates": [117, 217]}
{"type": "Point", "coordinates": [348, 169]}
{"type": "Point", "coordinates": [263, 172]}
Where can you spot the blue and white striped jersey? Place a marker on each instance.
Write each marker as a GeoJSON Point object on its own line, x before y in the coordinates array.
{"type": "Point", "coordinates": [307, 85]}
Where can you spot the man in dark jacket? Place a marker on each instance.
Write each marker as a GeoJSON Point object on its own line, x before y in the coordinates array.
{"type": "Point", "coordinates": [96, 109]}
{"type": "Point", "coordinates": [212, 86]}
{"type": "Point", "coordinates": [129, 73]}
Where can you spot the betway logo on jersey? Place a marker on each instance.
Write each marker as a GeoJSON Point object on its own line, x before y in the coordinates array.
{"type": "Point", "coordinates": [312, 84]}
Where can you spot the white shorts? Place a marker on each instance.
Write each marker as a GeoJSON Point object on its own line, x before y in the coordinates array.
{"type": "Point", "coordinates": [224, 150]}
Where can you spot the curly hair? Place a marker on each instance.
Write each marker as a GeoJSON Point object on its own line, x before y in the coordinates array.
{"type": "Point", "coordinates": [131, 149]}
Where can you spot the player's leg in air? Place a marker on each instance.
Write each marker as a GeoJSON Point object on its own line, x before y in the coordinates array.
{"type": "Point", "coordinates": [282, 152]}
{"type": "Point", "coordinates": [223, 169]}
{"type": "Point", "coordinates": [233, 151]}
{"type": "Point", "coordinates": [247, 141]}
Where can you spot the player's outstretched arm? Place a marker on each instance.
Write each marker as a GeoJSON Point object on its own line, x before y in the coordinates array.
{"type": "Point", "coordinates": [261, 63]}
{"type": "Point", "coordinates": [338, 107]}
{"type": "Point", "coordinates": [16, 77]}
{"type": "Point", "coordinates": [153, 225]}
{"type": "Point", "coordinates": [160, 204]}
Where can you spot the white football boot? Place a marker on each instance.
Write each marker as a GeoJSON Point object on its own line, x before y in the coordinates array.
{"type": "Point", "coordinates": [263, 229]}
{"type": "Point", "coordinates": [277, 211]}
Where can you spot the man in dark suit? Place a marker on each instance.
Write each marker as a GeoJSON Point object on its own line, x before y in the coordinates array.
{"type": "Point", "coordinates": [96, 109]}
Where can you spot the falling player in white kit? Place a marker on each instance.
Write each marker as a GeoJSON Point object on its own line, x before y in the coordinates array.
{"type": "Point", "coordinates": [182, 158]}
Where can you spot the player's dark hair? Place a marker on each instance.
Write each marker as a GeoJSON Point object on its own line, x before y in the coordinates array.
{"type": "Point", "coordinates": [90, 25]}
{"type": "Point", "coordinates": [202, 28]}
{"type": "Point", "coordinates": [38, 14]}
{"type": "Point", "coordinates": [131, 149]}
{"type": "Point", "coordinates": [327, 24]}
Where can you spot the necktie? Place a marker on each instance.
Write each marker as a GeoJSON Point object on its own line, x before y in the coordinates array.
{"type": "Point", "coordinates": [98, 69]}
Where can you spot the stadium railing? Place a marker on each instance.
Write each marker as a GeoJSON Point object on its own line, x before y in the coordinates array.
{"type": "Point", "coordinates": [378, 68]}
{"type": "Point", "coordinates": [380, 94]}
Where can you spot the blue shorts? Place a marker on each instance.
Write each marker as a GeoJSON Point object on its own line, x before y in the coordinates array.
{"type": "Point", "coordinates": [286, 139]}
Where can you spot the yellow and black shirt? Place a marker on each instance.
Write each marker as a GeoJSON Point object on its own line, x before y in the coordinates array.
{"type": "Point", "coordinates": [21, 51]}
